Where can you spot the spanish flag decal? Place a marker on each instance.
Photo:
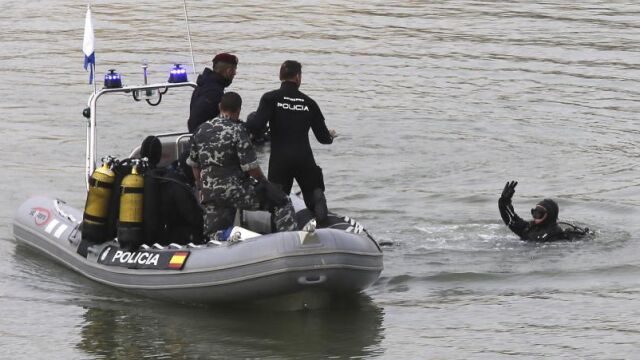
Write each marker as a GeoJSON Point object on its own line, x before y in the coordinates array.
{"type": "Point", "coordinates": [178, 259]}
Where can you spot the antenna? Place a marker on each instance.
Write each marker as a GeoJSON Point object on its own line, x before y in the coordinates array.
{"type": "Point", "coordinates": [186, 18]}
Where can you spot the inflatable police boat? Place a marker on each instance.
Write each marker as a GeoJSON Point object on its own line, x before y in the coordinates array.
{"type": "Point", "coordinates": [296, 269]}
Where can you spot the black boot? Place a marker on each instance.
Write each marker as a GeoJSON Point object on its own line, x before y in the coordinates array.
{"type": "Point", "coordinates": [320, 206]}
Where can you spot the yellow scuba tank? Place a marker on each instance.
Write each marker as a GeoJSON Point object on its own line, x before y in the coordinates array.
{"type": "Point", "coordinates": [96, 210]}
{"type": "Point", "coordinates": [130, 226]}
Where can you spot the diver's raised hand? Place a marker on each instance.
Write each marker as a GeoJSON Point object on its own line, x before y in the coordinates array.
{"type": "Point", "coordinates": [509, 190]}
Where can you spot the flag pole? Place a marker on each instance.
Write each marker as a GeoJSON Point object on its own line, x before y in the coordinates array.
{"type": "Point", "coordinates": [88, 48]}
{"type": "Point", "coordinates": [93, 70]}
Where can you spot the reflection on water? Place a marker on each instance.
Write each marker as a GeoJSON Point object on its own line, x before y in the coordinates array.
{"type": "Point", "coordinates": [118, 331]}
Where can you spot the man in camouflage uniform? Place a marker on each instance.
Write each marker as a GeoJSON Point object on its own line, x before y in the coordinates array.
{"type": "Point", "coordinates": [226, 166]}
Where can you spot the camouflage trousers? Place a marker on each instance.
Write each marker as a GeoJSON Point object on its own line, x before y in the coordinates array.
{"type": "Point", "coordinates": [220, 213]}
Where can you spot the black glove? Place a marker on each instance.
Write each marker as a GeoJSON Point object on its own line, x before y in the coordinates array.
{"type": "Point", "coordinates": [509, 190]}
{"type": "Point", "coordinates": [271, 193]}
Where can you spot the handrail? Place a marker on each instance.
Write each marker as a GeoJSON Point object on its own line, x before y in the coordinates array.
{"type": "Point", "coordinates": [91, 148]}
{"type": "Point", "coordinates": [182, 136]}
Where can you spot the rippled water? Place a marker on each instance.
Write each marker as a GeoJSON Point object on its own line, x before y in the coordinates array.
{"type": "Point", "coordinates": [437, 105]}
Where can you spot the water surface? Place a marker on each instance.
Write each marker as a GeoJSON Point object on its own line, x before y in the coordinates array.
{"type": "Point", "coordinates": [437, 104]}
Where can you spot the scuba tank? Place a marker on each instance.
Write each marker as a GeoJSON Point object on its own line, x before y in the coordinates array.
{"type": "Point", "coordinates": [572, 231]}
{"type": "Point", "coordinates": [96, 210]}
{"type": "Point", "coordinates": [130, 220]}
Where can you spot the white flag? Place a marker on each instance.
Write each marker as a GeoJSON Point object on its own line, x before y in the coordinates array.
{"type": "Point", "coordinates": [87, 46]}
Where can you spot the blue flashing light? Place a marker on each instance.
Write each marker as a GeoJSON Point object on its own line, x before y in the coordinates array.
{"type": "Point", "coordinates": [112, 80]}
{"type": "Point", "coordinates": [178, 74]}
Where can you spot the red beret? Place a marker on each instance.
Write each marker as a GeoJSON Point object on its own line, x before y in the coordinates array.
{"type": "Point", "coordinates": [226, 58]}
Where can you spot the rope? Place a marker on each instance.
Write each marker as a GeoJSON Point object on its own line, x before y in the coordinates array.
{"type": "Point", "coordinates": [186, 18]}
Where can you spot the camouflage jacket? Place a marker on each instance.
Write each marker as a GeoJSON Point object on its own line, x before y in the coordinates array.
{"type": "Point", "coordinates": [223, 152]}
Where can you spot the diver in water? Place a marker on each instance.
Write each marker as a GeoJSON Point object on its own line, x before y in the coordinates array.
{"type": "Point", "coordinates": [544, 226]}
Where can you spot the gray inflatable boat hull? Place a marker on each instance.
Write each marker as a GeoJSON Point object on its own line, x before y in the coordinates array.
{"type": "Point", "coordinates": [305, 267]}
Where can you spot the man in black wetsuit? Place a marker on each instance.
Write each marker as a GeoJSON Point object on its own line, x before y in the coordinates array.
{"type": "Point", "coordinates": [544, 226]}
{"type": "Point", "coordinates": [290, 114]}
{"type": "Point", "coordinates": [211, 85]}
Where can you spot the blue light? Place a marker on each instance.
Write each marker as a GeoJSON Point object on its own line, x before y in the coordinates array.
{"type": "Point", "coordinates": [112, 80]}
{"type": "Point", "coordinates": [178, 74]}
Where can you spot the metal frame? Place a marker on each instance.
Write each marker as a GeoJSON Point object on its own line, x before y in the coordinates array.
{"type": "Point", "coordinates": [92, 146]}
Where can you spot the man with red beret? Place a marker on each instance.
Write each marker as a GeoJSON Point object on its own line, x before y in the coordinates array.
{"type": "Point", "coordinates": [211, 85]}
{"type": "Point", "coordinates": [290, 114]}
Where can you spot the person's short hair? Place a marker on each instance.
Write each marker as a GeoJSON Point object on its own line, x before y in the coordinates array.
{"type": "Point", "coordinates": [289, 69]}
{"type": "Point", "coordinates": [231, 101]}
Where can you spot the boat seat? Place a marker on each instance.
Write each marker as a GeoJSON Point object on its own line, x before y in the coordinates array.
{"type": "Point", "coordinates": [173, 145]}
